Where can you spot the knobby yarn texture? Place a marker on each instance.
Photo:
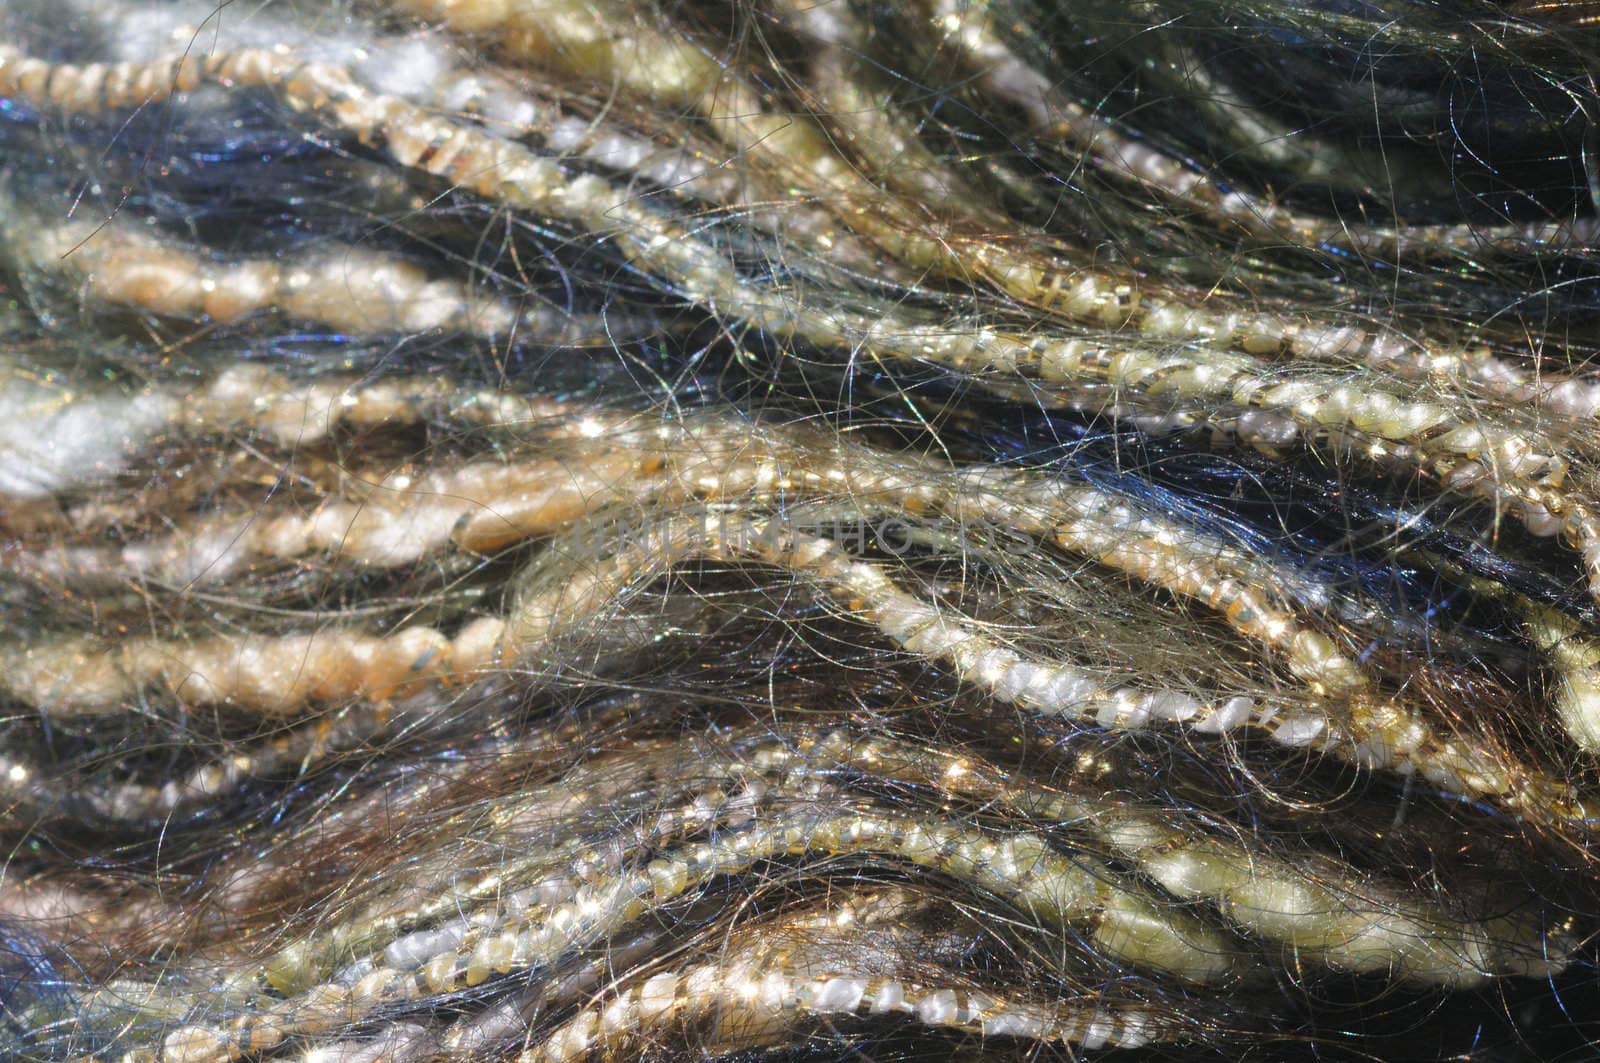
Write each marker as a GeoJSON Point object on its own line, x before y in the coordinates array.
{"type": "Point", "coordinates": [550, 530]}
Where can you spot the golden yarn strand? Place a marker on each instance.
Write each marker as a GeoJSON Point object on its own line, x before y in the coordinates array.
{"type": "Point", "coordinates": [970, 30]}
{"type": "Point", "coordinates": [1512, 468]}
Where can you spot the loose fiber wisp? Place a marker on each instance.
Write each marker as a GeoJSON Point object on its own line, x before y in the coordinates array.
{"type": "Point", "coordinates": [799, 529]}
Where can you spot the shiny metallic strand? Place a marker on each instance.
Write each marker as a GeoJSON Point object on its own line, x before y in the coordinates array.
{"type": "Point", "coordinates": [976, 34]}
{"type": "Point", "coordinates": [538, 530]}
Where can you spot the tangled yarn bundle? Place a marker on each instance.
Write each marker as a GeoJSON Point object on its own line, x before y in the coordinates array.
{"type": "Point", "coordinates": [549, 530]}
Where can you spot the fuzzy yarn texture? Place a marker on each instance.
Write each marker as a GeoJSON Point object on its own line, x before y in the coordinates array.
{"type": "Point", "coordinates": [549, 530]}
